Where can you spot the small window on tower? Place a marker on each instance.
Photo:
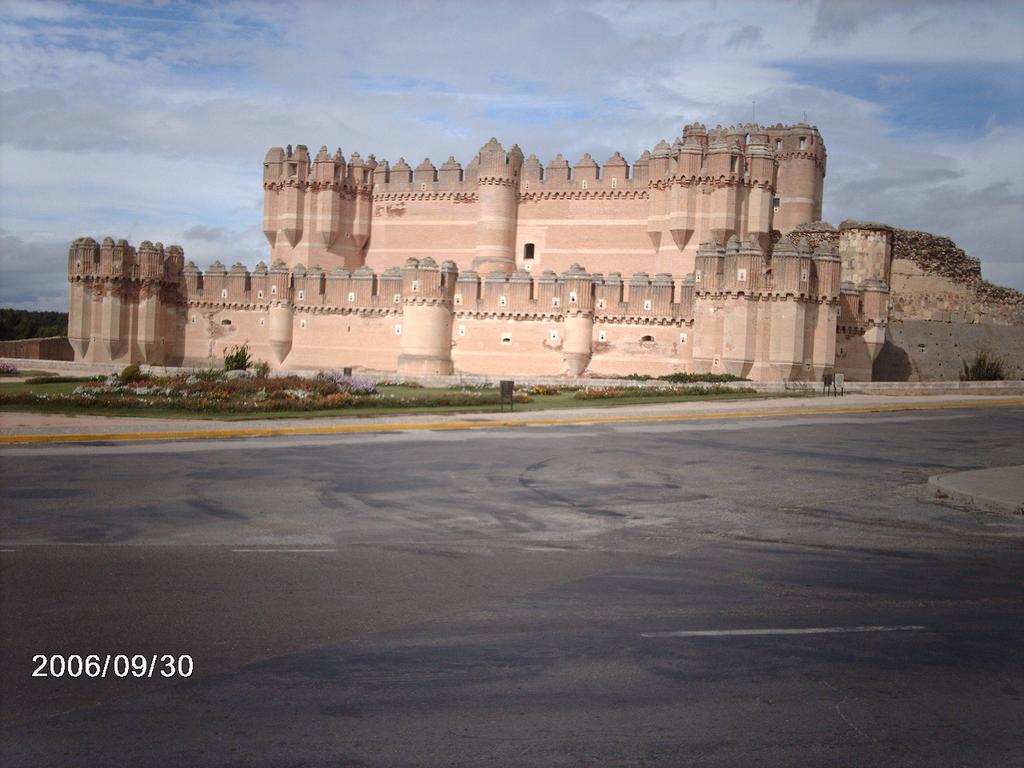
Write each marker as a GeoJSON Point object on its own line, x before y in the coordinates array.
{"type": "Point", "coordinates": [554, 335]}
{"type": "Point", "coordinates": [528, 252]}
{"type": "Point", "coordinates": [803, 142]}
{"type": "Point", "coordinates": [273, 290]}
{"type": "Point", "coordinates": [397, 298]}
{"type": "Point", "coordinates": [776, 202]}
{"type": "Point", "coordinates": [223, 293]}
{"type": "Point", "coordinates": [259, 294]}
{"type": "Point", "coordinates": [741, 275]}
{"type": "Point", "coordinates": [583, 184]}
{"type": "Point", "coordinates": [696, 276]}
{"type": "Point", "coordinates": [293, 169]}
{"type": "Point", "coordinates": [462, 330]}
{"type": "Point", "coordinates": [646, 339]}
{"type": "Point", "coordinates": [572, 297]}
{"type": "Point", "coordinates": [302, 295]}
{"type": "Point", "coordinates": [415, 285]}
{"type": "Point", "coordinates": [503, 300]}
{"type": "Point", "coordinates": [615, 183]}
{"type": "Point", "coordinates": [351, 296]}
{"type": "Point", "coordinates": [778, 145]}
{"type": "Point", "coordinates": [458, 299]}
{"type": "Point", "coordinates": [555, 302]}
{"type": "Point", "coordinates": [601, 304]}
{"type": "Point", "coordinates": [602, 335]}
{"type": "Point", "coordinates": [647, 304]}
{"type": "Point", "coordinates": [263, 321]}
{"type": "Point", "coordinates": [734, 164]}
{"type": "Point", "coordinates": [506, 338]}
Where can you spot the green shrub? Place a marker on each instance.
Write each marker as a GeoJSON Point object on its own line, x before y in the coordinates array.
{"type": "Point", "coordinates": [237, 358]}
{"type": "Point", "coordinates": [55, 379]}
{"type": "Point", "coordinates": [984, 367]}
{"type": "Point", "coordinates": [132, 373]}
{"type": "Point", "coordinates": [261, 368]}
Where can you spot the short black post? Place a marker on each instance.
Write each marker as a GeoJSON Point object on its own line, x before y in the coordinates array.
{"type": "Point", "coordinates": [508, 390]}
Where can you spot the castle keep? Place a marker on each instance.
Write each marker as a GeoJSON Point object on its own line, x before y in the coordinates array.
{"type": "Point", "coordinates": [700, 256]}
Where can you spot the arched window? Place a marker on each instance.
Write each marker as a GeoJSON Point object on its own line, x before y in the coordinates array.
{"type": "Point", "coordinates": [646, 338]}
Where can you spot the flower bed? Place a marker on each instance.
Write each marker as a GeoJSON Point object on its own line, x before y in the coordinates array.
{"type": "Point", "coordinates": [607, 393]}
{"type": "Point", "coordinates": [219, 392]}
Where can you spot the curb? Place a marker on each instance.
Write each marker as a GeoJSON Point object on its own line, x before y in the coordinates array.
{"type": "Point", "coordinates": [458, 425]}
{"type": "Point", "coordinates": [945, 490]}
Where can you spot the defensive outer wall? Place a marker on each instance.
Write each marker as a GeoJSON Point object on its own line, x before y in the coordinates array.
{"type": "Point", "coordinates": [705, 255]}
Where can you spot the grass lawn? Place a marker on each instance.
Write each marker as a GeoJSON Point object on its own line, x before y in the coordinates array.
{"type": "Point", "coordinates": [540, 403]}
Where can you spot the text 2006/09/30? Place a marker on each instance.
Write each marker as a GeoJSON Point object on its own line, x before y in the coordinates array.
{"type": "Point", "coordinates": [119, 665]}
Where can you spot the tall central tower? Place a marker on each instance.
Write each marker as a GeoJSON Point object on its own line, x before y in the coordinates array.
{"type": "Point", "coordinates": [497, 190]}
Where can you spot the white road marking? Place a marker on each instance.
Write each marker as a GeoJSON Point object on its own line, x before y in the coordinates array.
{"type": "Point", "coordinates": [8, 550]}
{"type": "Point", "coordinates": [278, 549]}
{"type": "Point", "coordinates": [792, 631]}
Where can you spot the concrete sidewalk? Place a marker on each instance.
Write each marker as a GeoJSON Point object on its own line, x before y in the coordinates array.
{"type": "Point", "coordinates": [999, 489]}
{"type": "Point", "coordinates": [21, 428]}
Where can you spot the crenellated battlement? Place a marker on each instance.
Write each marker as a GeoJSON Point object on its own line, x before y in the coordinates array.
{"type": "Point", "coordinates": [687, 156]}
{"type": "Point", "coordinates": [110, 260]}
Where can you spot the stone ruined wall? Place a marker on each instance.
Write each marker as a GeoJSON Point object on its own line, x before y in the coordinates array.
{"type": "Point", "coordinates": [816, 233]}
{"type": "Point", "coordinates": [933, 279]}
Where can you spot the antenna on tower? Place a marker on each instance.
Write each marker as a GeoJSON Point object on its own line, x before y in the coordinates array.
{"type": "Point", "coordinates": [805, 118]}
{"type": "Point", "coordinates": [753, 111]}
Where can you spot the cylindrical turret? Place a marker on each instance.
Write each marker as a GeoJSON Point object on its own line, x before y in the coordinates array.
{"type": "Point", "coordinates": [328, 199]}
{"type": "Point", "coordinates": [272, 170]}
{"type": "Point", "coordinates": [281, 312]}
{"type": "Point", "coordinates": [578, 319]}
{"type": "Point", "coordinates": [800, 177]}
{"type": "Point", "coordinates": [828, 269]}
{"type": "Point", "coordinates": [291, 203]}
{"type": "Point", "coordinates": [427, 317]}
{"type": "Point", "coordinates": [497, 181]}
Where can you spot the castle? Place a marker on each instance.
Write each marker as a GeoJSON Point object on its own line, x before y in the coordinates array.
{"type": "Point", "coordinates": [702, 256]}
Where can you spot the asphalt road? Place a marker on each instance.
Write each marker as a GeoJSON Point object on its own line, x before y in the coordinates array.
{"type": "Point", "coordinates": [521, 597]}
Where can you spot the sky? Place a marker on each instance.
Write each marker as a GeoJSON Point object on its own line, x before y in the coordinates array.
{"type": "Point", "coordinates": [150, 120]}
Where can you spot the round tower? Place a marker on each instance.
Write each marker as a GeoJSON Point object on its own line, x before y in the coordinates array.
{"type": "Point", "coordinates": [800, 177]}
{"type": "Point", "coordinates": [272, 169]}
{"type": "Point", "coordinates": [282, 312]}
{"type": "Point", "coordinates": [578, 319]}
{"type": "Point", "coordinates": [427, 317]}
{"type": "Point", "coordinates": [497, 182]}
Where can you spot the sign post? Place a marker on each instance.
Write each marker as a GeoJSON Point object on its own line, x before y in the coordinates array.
{"type": "Point", "coordinates": [508, 391]}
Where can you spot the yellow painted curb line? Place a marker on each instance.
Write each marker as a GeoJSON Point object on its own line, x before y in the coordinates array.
{"type": "Point", "coordinates": [409, 427]}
